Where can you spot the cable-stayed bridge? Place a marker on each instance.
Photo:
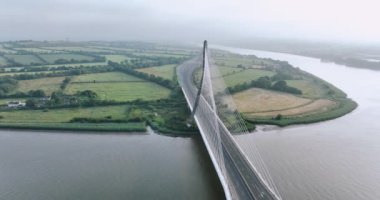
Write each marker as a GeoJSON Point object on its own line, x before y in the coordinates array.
{"type": "Point", "coordinates": [243, 174]}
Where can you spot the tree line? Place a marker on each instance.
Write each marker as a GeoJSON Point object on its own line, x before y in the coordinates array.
{"type": "Point", "coordinates": [265, 83]}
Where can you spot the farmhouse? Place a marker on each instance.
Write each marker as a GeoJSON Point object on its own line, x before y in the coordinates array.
{"type": "Point", "coordinates": [15, 104]}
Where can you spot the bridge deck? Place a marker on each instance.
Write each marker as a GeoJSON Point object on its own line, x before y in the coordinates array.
{"type": "Point", "coordinates": [238, 177]}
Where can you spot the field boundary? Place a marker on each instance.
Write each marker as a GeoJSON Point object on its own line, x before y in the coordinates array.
{"type": "Point", "coordinates": [84, 82]}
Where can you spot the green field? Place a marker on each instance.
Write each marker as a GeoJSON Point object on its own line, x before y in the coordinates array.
{"type": "Point", "coordinates": [308, 88]}
{"type": "Point", "coordinates": [246, 76]}
{"type": "Point", "coordinates": [78, 49]}
{"type": "Point", "coordinates": [153, 54]}
{"type": "Point", "coordinates": [114, 49]}
{"type": "Point", "coordinates": [9, 69]}
{"type": "Point", "coordinates": [62, 115]}
{"type": "Point", "coordinates": [345, 106]}
{"type": "Point", "coordinates": [19, 73]}
{"type": "Point", "coordinates": [36, 50]}
{"type": "Point", "coordinates": [46, 84]}
{"type": "Point", "coordinates": [117, 86]}
{"type": "Point", "coordinates": [164, 71]}
{"type": "Point", "coordinates": [3, 50]}
{"type": "Point", "coordinates": [3, 61]}
{"type": "Point", "coordinates": [117, 58]}
{"type": "Point", "coordinates": [233, 61]}
{"type": "Point", "coordinates": [25, 59]}
{"type": "Point", "coordinates": [74, 65]}
{"type": "Point", "coordinates": [105, 77]}
{"type": "Point", "coordinates": [228, 70]}
{"type": "Point", "coordinates": [122, 91]}
{"type": "Point", "coordinates": [51, 58]}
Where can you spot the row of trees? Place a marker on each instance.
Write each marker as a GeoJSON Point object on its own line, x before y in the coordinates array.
{"type": "Point", "coordinates": [11, 62]}
{"type": "Point", "coordinates": [150, 61]}
{"type": "Point", "coordinates": [265, 83]}
{"type": "Point", "coordinates": [156, 79]}
{"type": "Point", "coordinates": [70, 71]}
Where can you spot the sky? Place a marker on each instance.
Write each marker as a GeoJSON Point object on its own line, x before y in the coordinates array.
{"type": "Point", "coordinates": [190, 20]}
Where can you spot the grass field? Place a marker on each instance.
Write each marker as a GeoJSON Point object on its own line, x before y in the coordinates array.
{"type": "Point", "coordinates": [165, 71]}
{"type": "Point", "coordinates": [62, 115]}
{"type": "Point", "coordinates": [3, 61]}
{"type": "Point", "coordinates": [158, 54]}
{"type": "Point", "coordinates": [264, 103]}
{"type": "Point", "coordinates": [114, 49]}
{"type": "Point", "coordinates": [18, 73]}
{"type": "Point", "coordinates": [24, 59]}
{"type": "Point", "coordinates": [117, 58]}
{"type": "Point", "coordinates": [259, 100]}
{"type": "Point", "coordinates": [78, 49]}
{"type": "Point", "coordinates": [317, 106]}
{"type": "Point", "coordinates": [104, 77]}
{"type": "Point", "coordinates": [3, 50]}
{"type": "Point", "coordinates": [117, 86]}
{"type": "Point", "coordinates": [75, 65]}
{"type": "Point", "coordinates": [233, 61]}
{"type": "Point", "coordinates": [308, 88]}
{"type": "Point", "coordinates": [229, 70]}
{"type": "Point", "coordinates": [9, 69]}
{"type": "Point", "coordinates": [36, 50]}
{"type": "Point", "coordinates": [46, 84]}
{"type": "Point", "coordinates": [122, 91]}
{"type": "Point", "coordinates": [246, 76]}
{"type": "Point", "coordinates": [170, 51]}
{"type": "Point", "coordinates": [51, 58]}
{"type": "Point", "coordinates": [344, 106]}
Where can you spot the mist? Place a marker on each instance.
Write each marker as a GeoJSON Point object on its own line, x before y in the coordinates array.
{"type": "Point", "coordinates": [190, 20]}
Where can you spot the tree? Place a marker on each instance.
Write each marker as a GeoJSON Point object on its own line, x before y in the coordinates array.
{"type": "Point", "coordinates": [88, 93]}
{"type": "Point", "coordinates": [262, 82]}
{"type": "Point", "coordinates": [280, 85]}
{"type": "Point", "coordinates": [57, 97]}
{"type": "Point", "coordinates": [278, 117]}
{"type": "Point", "coordinates": [31, 103]}
{"type": "Point", "coordinates": [36, 93]}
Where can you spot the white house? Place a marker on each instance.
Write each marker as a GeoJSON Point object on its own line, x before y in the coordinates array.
{"type": "Point", "coordinates": [15, 104]}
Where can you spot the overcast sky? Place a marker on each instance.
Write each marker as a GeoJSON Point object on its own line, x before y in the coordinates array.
{"type": "Point", "coordinates": [189, 20]}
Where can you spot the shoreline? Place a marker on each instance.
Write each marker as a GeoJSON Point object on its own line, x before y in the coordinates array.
{"type": "Point", "coordinates": [95, 130]}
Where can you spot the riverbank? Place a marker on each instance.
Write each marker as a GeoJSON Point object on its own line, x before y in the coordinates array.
{"type": "Point", "coordinates": [131, 127]}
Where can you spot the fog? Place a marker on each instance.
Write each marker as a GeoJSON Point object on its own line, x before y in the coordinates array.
{"type": "Point", "coordinates": [190, 20]}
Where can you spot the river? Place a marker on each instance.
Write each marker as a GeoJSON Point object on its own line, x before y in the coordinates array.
{"type": "Point", "coordinates": [332, 160]}
{"type": "Point", "coordinates": [63, 165]}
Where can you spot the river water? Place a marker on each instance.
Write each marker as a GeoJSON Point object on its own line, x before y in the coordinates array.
{"type": "Point", "coordinates": [333, 160]}
{"type": "Point", "coordinates": [55, 165]}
